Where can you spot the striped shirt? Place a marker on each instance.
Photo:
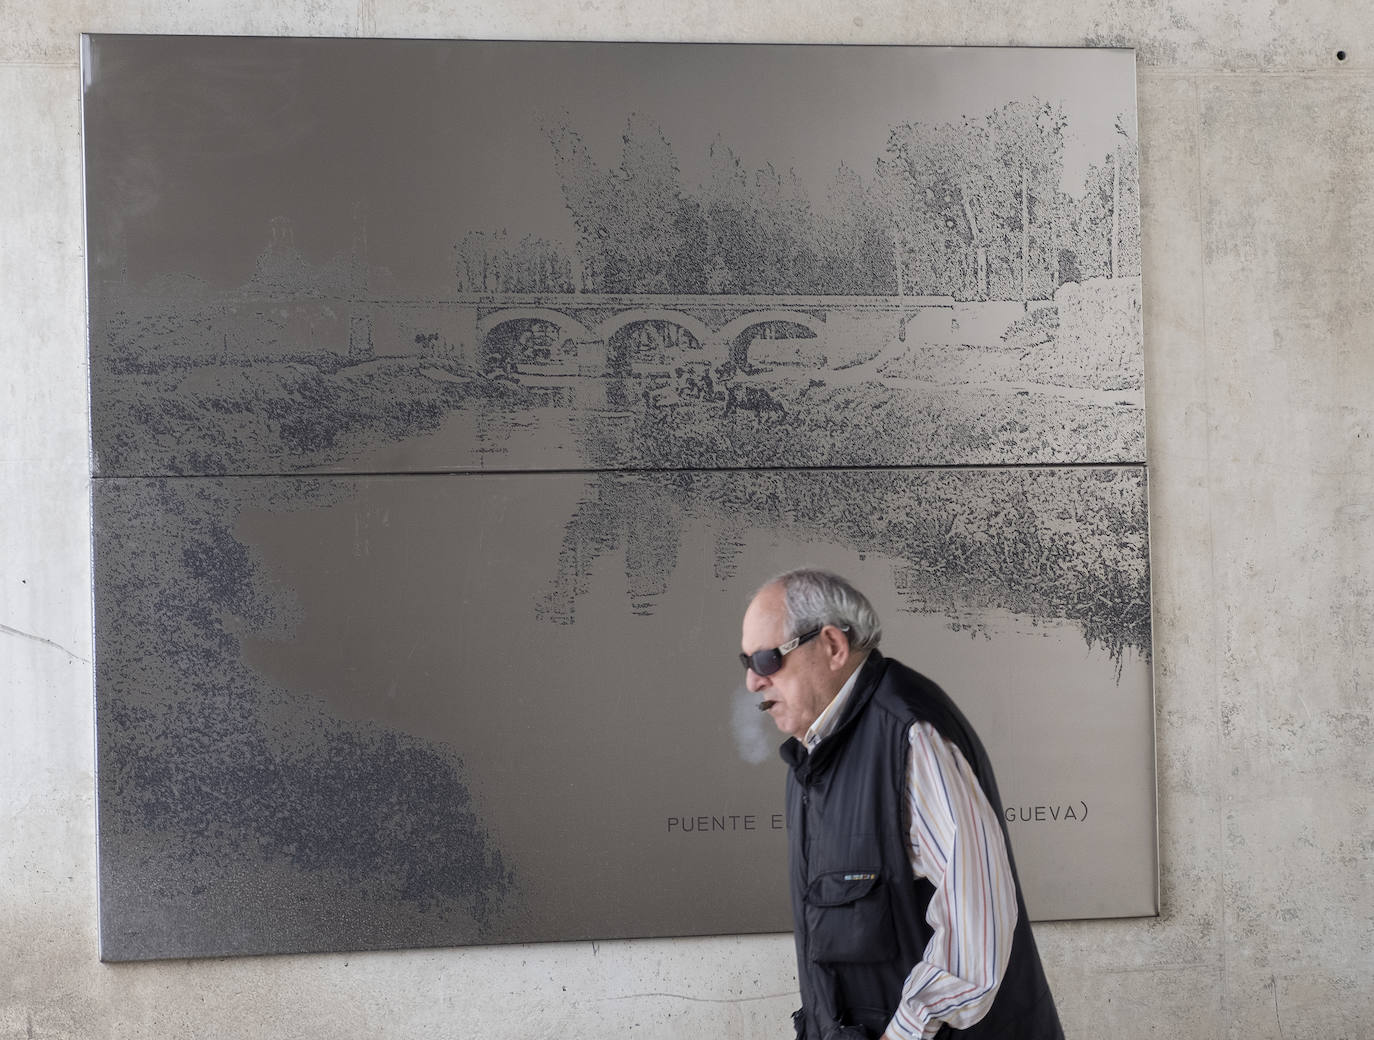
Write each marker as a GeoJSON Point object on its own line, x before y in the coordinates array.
{"type": "Point", "coordinates": [956, 844]}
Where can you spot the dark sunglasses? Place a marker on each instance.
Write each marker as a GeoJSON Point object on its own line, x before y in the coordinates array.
{"type": "Point", "coordinates": [766, 662]}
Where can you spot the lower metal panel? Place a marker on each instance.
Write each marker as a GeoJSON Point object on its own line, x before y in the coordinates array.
{"type": "Point", "coordinates": [340, 714]}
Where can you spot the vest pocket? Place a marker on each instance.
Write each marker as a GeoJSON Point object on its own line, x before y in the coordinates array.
{"type": "Point", "coordinates": [849, 918]}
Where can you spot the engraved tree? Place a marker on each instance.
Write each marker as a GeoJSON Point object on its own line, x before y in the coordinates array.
{"type": "Point", "coordinates": [487, 261]}
{"type": "Point", "coordinates": [733, 238]}
{"type": "Point", "coordinates": [949, 170]}
{"type": "Point", "coordinates": [1105, 221]}
{"type": "Point", "coordinates": [585, 191]}
{"type": "Point", "coordinates": [645, 197]}
{"type": "Point", "coordinates": [856, 243]}
{"type": "Point", "coordinates": [1026, 145]}
{"type": "Point", "coordinates": [634, 224]}
{"type": "Point", "coordinates": [784, 224]}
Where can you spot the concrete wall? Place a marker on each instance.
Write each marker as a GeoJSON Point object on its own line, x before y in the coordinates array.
{"type": "Point", "coordinates": [1258, 191]}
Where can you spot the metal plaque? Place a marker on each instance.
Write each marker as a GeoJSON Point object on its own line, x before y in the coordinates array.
{"type": "Point", "coordinates": [450, 399]}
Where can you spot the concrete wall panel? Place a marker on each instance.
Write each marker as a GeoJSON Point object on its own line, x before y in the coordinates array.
{"type": "Point", "coordinates": [1105, 972]}
{"type": "Point", "coordinates": [1299, 1006]}
{"type": "Point", "coordinates": [55, 38]}
{"type": "Point", "coordinates": [1287, 226]}
{"type": "Point", "coordinates": [1263, 35]}
{"type": "Point", "coordinates": [42, 287]}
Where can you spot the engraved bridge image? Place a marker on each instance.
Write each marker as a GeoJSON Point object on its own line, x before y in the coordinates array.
{"type": "Point", "coordinates": [363, 374]}
{"type": "Point", "coordinates": [443, 421]}
{"type": "Point", "coordinates": [675, 280]}
{"type": "Point", "coordinates": [697, 345]}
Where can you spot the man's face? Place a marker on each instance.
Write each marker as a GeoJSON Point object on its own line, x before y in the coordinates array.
{"type": "Point", "coordinates": [810, 676]}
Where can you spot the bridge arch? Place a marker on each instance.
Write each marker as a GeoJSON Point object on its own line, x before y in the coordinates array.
{"type": "Point", "coordinates": [731, 333]}
{"type": "Point", "coordinates": [621, 352]}
{"type": "Point", "coordinates": [699, 330]}
{"type": "Point", "coordinates": [568, 327]}
{"type": "Point", "coordinates": [513, 337]}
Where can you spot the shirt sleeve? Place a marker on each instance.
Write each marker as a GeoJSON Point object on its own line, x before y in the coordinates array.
{"type": "Point", "coordinates": [956, 843]}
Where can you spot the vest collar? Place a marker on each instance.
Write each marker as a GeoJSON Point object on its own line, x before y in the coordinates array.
{"type": "Point", "coordinates": [794, 753]}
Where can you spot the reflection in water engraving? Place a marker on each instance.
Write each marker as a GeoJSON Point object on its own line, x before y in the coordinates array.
{"type": "Point", "coordinates": [232, 809]}
{"type": "Point", "coordinates": [330, 682]}
{"type": "Point", "coordinates": [1049, 545]}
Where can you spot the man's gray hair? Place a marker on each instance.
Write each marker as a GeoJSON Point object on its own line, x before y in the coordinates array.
{"type": "Point", "coordinates": [813, 599]}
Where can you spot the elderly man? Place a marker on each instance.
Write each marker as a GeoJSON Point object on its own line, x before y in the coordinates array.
{"type": "Point", "coordinates": [908, 913]}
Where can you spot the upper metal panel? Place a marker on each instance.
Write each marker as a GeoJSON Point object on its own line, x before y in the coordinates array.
{"type": "Point", "coordinates": [417, 256]}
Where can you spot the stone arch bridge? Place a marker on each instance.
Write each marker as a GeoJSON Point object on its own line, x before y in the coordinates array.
{"type": "Point", "coordinates": [592, 334]}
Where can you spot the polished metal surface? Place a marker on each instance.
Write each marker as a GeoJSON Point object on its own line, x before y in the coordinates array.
{"type": "Point", "coordinates": [449, 400]}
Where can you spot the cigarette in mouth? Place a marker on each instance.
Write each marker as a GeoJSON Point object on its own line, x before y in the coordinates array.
{"type": "Point", "coordinates": [765, 705]}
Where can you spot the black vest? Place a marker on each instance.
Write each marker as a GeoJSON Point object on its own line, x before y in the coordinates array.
{"type": "Point", "coordinates": [860, 915]}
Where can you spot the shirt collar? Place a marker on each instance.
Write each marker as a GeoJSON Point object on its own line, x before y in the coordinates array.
{"type": "Point", "coordinates": [827, 720]}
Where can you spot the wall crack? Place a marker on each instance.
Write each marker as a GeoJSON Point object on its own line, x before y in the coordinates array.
{"type": "Point", "coordinates": [46, 642]}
